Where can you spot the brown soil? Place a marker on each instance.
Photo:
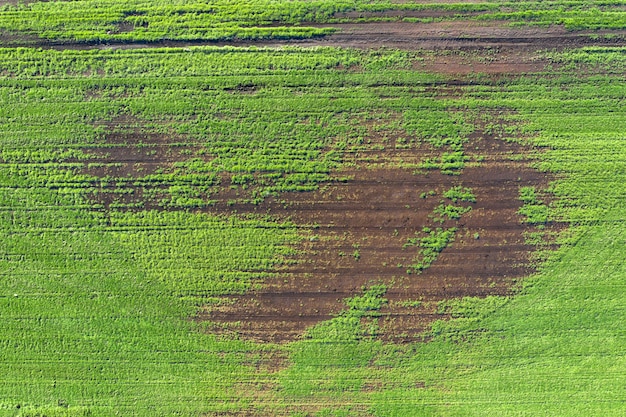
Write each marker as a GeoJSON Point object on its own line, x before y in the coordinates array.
{"type": "Point", "coordinates": [494, 61]}
{"type": "Point", "coordinates": [461, 34]}
{"type": "Point", "coordinates": [358, 229]}
{"type": "Point", "coordinates": [375, 213]}
{"type": "Point", "coordinates": [128, 152]}
{"type": "Point", "coordinates": [447, 34]}
{"type": "Point", "coordinates": [399, 14]}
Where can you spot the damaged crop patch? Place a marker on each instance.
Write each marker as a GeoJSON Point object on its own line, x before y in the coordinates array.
{"type": "Point", "coordinates": [427, 236]}
{"type": "Point", "coordinates": [135, 169]}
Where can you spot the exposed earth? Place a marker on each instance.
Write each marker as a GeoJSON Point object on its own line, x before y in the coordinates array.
{"type": "Point", "coordinates": [360, 229]}
{"type": "Point", "coordinates": [357, 228]}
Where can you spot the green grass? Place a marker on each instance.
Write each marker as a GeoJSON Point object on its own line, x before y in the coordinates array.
{"type": "Point", "coordinates": [90, 21]}
{"type": "Point", "coordinates": [558, 347]}
{"type": "Point", "coordinates": [95, 304]}
{"type": "Point", "coordinates": [89, 320]}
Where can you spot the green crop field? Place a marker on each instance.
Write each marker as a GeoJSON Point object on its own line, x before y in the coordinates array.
{"type": "Point", "coordinates": [149, 21]}
{"type": "Point", "coordinates": [153, 156]}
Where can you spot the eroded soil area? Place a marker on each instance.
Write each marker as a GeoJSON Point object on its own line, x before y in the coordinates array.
{"type": "Point", "coordinates": [128, 156]}
{"type": "Point", "coordinates": [356, 227]}
{"type": "Point", "coordinates": [359, 230]}
{"type": "Point", "coordinates": [461, 34]}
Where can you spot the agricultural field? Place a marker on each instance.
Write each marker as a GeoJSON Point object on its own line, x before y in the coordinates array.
{"type": "Point", "coordinates": [312, 208]}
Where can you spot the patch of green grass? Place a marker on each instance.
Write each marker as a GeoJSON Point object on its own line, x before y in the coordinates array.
{"type": "Point", "coordinates": [95, 303]}
{"type": "Point", "coordinates": [459, 193]}
{"type": "Point", "coordinates": [431, 243]}
{"type": "Point", "coordinates": [93, 315]}
{"type": "Point", "coordinates": [90, 21]}
{"type": "Point", "coordinates": [340, 349]}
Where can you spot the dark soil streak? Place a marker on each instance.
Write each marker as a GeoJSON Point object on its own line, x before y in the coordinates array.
{"type": "Point", "coordinates": [128, 154]}
{"type": "Point", "coordinates": [450, 34]}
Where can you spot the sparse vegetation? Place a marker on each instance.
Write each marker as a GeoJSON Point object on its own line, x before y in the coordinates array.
{"type": "Point", "coordinates": [431, 243]}
{"type": "Point", "coordinates": [135, 182]}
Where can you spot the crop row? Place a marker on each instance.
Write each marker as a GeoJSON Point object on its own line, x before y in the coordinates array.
{"type": "Point", "coordinates": [140, 20]}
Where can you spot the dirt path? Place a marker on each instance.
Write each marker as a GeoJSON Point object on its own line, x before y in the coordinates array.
{"type": "Point", "coordinates": [452, 34]}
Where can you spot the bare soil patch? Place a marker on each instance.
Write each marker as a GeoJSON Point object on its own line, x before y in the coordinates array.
{"type": "Point", "coordinates": [128, 153]}
{"type": "Point", "coordinates": [400, 14]}
{"type": "Point", "coordinates": [360, 227]}
{"type": "Point", "coordinates": [459, 34]}
{"type": "Point", "coordinates": [493, 61]}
